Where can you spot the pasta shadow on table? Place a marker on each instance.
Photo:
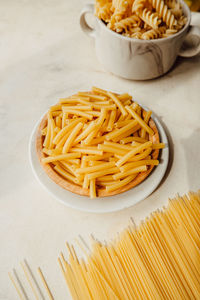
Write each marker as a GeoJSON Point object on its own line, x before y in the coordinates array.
{"type": "Point", "coordinates": [192, 158]}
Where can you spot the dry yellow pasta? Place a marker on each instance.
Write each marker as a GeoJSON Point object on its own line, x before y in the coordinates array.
{"type": "Point", "coordinates": [111, 120]}
{"type": "Point", "coordinates": [118, 103]}
{"type": "Point", "coordinates": [99, 140]}
{"type": "Point", "coordinates": [78, 113]}
{"type": "Point", "coordinates": [132, 139]}
{"type": "Point", "coordinates": [71, 137]}
{"type": "Point", "coordinates": [103, 172]}
{"type": "Point", "coordinates": [139, 120]}
{"type": "Point", "coordinates": [60, 157]}
{"type": "Point", "coordinates": [120, 184]}
{"type": "Point", "coordinates": [132, 153]}
{"type": "Point", "coordinates": [119, 132]}
{"type": "Point", "coordinates": [135, 170]}
{"type": "Point", "coordinates": [144, 162]}
{"type": "Point", "coordinates": [65, 174]}
{"type": "Point", "coordinates": [92, 188]}
{"type": "Point", "coordinates": [95, 168]}
{"type": "Point", "coordinates": [141, 19]}
{"type": "Point", "coordinates": [159, 259]}
{"type": "Point", "coordinates": [111, 149]}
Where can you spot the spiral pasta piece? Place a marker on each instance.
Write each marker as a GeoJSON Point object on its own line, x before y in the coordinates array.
{"type": "Point", "coordinates": [138, 5]}
{"type": "Point", "coordinates": [164, 12]}
{"type": "Point", "coordinates": [150, 18]}
{"type": "Point", "coordinates": [137, 35]}
{"type": "Point", "coordinates": [150, 34]}
{"type": "Point", "coordinates": [169, 32]}
{"type": "Point", "coordinates": [128, 23]}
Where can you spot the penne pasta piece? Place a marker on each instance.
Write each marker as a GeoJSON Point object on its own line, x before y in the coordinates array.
{"type": "Point", "coordinates": [111, 149]}
{"type": "Point", "coordinates": [44, 131]}
{"type": "Point", "coordinates": [59, 121]}
{"type": "Point", "coordinates": [121, 123]}
{"type": "Point", "coordinates": [93, 113]}
{"type": "Point", "coordinates": [98, 157]}
{"type": "Point", "coordinates": [56, 107]}
{"type": "Point", "coordinates": [130, 165]}
{"type": "Point", "coordinates": [92, 96]}
{"type": "Point", "coordinates": [60, 157]}
{"type": "Point", "coordinates": [56, 113]}
{"type": "Point", "coordinates": [158, 146]}
{"type": "Point", "coordinates": [72, 137]}
{"type": "Point", "coordinates": [92, 134]}
{"type": "Point", "coordinates": [92, 126]}
{"type": "Point", "coordinates": [93, 188]}
{"type": "Point", "coordinates": [107, 107]}
{"type": "Point", "coordinates": [62, 141]}
{"type": "Point", "coordinates": [78, 107]}
{"type": "Point", "coordinates": [139, 120]}
{"type": "Point", "coordinates": [95, 168]}
{"type": "Point", "coordinates": [56, 130]}
{"type": "Point", "coordinates": [75, 161]}
{"type": "Point", "coordinates": [78, 113]}
{"type": "Point", "coordinates": [99, 91]}
{"type": "Point", "coordinates": [70, 168]}
{"type": "Point", "coordinates": [127, 102]}
{"type": "Point", "coordinates": [132, 139]}
{"type": "Point", "coordinates": [68, 101]}
{"type": "Point", "coordinates": [87, 150]}
{"type": "Point", "coordinates": [97, 140]}
{"type": "Point", "coordinates": [103, 172]}
{"type": "Point", "coordinates": [111, 120]}
{"type": "Point", "coordinates": [65, 174]}
{"type": "Point", "coordinates": [48, 134]}
{"type": "Point", "coordinates": [135, 170]}
{"type": "Point", "coordinates": [95, 163]}
{"type": "Point", "coordinates": [66, 129]}
{"type": "Point", "coordinates": [133, 152]}
{"type": "Point", "coordinates": [138, 157]}
{"type": "Point", "coordinates": [52, 152]}
{"type": "Point", "coordinates": [105, 178]}
{"type": "Point", "coordinates": [126, 133]}
{"type": "Point", "coordinates": [124, 97]}
{"type": "Point", "coordinates": [146, 120]}
{"type": "Point", "coordinates": [117, 132]}
{"type": "Point", "coordinates": [118, 103]}
{"type": "Point", "coordinates": [118, 146]}
{"type": "Point", "coordinates": [106, 183]}
{"type": "Point", "coordinates": [86, 182]}
{"type": "Point", "coordinates": [120, 184]}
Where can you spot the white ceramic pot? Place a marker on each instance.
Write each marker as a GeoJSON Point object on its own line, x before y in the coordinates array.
{"type": "Point", "coordinates": [140, 59]}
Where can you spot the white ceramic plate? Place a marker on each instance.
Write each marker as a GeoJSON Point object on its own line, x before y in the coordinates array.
{"type": "Point", "coordinates": [106, 204]}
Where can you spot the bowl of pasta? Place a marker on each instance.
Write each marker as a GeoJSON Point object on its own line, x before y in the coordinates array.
{"type": "Point", "coordinates": [141, 39]}
{"type": "Point", "coordinates": [98, 143]}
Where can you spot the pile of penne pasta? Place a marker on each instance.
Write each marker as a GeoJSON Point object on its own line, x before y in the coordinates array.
{"type": "Point", "coordinates": [98, 140]}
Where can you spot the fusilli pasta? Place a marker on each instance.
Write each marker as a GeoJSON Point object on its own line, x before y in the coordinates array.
{"type": "Point", "coordinates": [142, 19]}
{"type": "Point", "coordinates": [164, 13]}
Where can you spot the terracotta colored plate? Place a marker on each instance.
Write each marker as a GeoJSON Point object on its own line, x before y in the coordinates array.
{"type": "Point", "coordinates": [58, 179]}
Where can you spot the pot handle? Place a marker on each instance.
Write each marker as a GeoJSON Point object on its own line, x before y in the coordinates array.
{"type": "Point", "coordinates": [191, 43]}
{"type": "Point", "coordinates": [88, 9]}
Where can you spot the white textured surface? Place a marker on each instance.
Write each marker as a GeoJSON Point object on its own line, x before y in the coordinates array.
{"type": "Point", "coordinates": [44, 56]}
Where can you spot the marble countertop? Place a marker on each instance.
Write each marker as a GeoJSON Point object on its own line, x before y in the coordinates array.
{"type": "Point", "coordinates": [44, 56]}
